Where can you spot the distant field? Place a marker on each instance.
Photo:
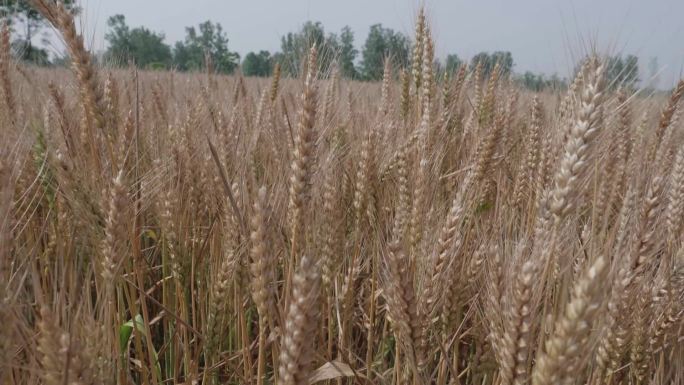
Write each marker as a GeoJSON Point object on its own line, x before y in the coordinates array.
{"type": "Point", "coordinates": [178, 228]}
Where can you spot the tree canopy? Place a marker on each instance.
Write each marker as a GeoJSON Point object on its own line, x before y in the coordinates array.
{"type": "Point", "coordinates": [452, 64]}
{"type": "Point", "coordinates": [257, 64]}
{"type": "Point", "coordinates": [144, 47]}
{"type": "Point", "coordinates": [32, 21]}
{"type": "Point", "coordinates": [209, 40]}
{"type": "Point", "coordinates": [295, 45]}
{"type": "Point", "coordinates": [348, 53]}
{"type": "Point", "coordinates": [208, 44]}
{"type": "Point", "coordinates": [503, 58]}
{"type": "Point", "coordinates": [540, 82]}
{"type": "Point", "coordinates": [383, 43]}
{"type": "Point", "coordinates": [622, 72]}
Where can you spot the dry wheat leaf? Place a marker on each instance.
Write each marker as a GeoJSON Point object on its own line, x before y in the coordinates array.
{"type": "Point", "coordinates": [330, 370]}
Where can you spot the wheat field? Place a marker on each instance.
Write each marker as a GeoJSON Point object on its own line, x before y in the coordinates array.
{"type": "Point", "coordinates": [168, 228]}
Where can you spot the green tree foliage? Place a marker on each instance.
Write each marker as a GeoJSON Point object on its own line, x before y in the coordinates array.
{"type": "Point", "coordinates": [539, 82]}
{"type": "Point", "coordinates": [452, 64]}
{"type": "Point", "coordinates": [32, 22]}
{"type": "Point", "coordinates": [532, 81]}
{"type": "Point", "coordinates": [257, 64]}
{"type": "Point", "coordinates": [295, 45]}
{"type": "Point", "coordinates": [503, 58]}
{"type": "Point", "coordinates": [482, 57]}
{"type": "Point", "coordinates": [210, 40]}
{"type": "Point", "coordinates": [383, 43]}
{"type": "Point", "coordinates": [25, 51]}
{"type": "Point", "coordinates": [622, 72]}
{"type": "Point", "coordinates": [144, 47]}
{"type": "Point", "coordinates": [347, 53]}
{"type": "Point", "coordinates": [505, 61]}
{"type": "Point", "coordinates": [278, 57]}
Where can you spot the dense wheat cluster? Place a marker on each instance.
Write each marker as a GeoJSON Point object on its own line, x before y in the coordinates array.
{"type": "Point", "coordinates": [160, 228]}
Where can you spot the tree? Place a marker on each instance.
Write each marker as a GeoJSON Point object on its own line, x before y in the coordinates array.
{"type": "Point", "coordinates": [489, 61]}
{"type": "Point", "coordinates": [556, 83]}
{"type": "Point", "coordinates": [539, 82]}
{"type": "Point", "coordinates": [211, 41]}
{"type": "Point", "coordinates": [383, 43]}
{"type": "Point", "coordinates": [257, 64]}
{"type": "Point", "coordinates": [33, 22]}
{"type": "Point", "coordinates": [453, 63]}
{"type": "Point", "coordinates": [144, 47]}
{"type": "Point", "coordinates": [481, 58]}
{"type": "Point", "coordinates": [505, 61]}
{"type": "Point", "coordinates": [347, 53]}
{"type": "Point", "coordinates": [622, 72]}
{"type": "Point", "coordinates": [24, 50]}
{"type": "Point", "coordinates": [295, 47]}
{"type": "Point", "coordinates": [531, 81]}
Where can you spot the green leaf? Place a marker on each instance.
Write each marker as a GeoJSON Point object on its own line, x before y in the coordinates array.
{"type": "Point", "coordinates": [125, 332]}
{"type": "Point", "coordinates": [127, 329]}
{"type": "Point", "coordinates": [484, 207]}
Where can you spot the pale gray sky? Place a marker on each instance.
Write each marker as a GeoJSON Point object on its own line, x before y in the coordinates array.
{"type": "Point", "coordinates": [543, 35]}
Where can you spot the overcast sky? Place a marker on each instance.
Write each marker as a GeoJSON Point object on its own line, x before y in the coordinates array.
{"type": "Point", "coordinates": [543, 35]}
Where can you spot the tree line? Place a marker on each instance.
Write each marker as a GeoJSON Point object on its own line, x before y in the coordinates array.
{"type": "Point", "coordinates": [208, 45]}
